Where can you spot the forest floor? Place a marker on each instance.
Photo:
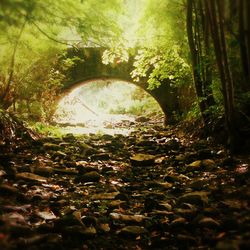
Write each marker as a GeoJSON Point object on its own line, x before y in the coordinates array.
{"type": "Point", "coordinates": [156, 188]}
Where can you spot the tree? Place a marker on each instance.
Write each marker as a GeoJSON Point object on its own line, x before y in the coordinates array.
{"type": "Point", "coordinates": [199, 44]}
{"type": "Point", "coordinates": [33, 31]}
{"type": "Point", "coordinates": [229, 36]}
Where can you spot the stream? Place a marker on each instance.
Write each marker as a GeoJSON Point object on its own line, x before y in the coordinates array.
{"type": "Point", "coordinates": [155, 188]}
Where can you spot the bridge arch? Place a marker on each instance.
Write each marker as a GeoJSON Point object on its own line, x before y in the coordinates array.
{"type": "Point", "coordinates": [67, 90]}
{"type": "Point", "coordinates": [75, 95]}
{"type": "Point", "coordinates": [91, 67]}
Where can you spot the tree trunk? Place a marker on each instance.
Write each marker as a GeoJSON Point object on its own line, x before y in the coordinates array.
{"type": "Point", "coordinates": [243, 43]}
{"type": "Point", "coordinates": [216, 18]}
{"type": "Point", "coordinates": [12, 65]}
{"type": "Point", "coordinates": [195, 60]}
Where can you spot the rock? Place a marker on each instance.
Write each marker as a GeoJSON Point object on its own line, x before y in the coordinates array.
{"type": "Point", "coordinates": [198, 184]}
{"type": "Point", "coordinates": [46, 215]}
{"type": "Point", "coordinates": [196, 165]}
{"type": "Point", "coordinates": [116, 204]}
{"type": "Point", "coordinates": [104, 196]}
{"type": "Point", "coordinates": [25, 243]}
{"type": "Point", "coordinates": [89, 231]}
{"type": "Point", "coordinates": [44, 171]}
{"type": "Point", "coordinates": [69, 137]}
{"type": "Point", "coordinates": [100, 157]}
{"type": "Point", "coordinates": [2, 173]}
{"type": "Point", "coordinates": [80, 230]}
{"type": "Point", "coordinates": [133, 231]}
{"type": "Point", "coordinates": [65, 171]}
{"type": "Point", "coordinates": [92, 176]}
{"type": "Point", "coordinates": [6, 189]}
{"type": "Point", "coordinates": [208, 164]}
{"type": "Point", "coordinates": [142, 160]}
{"type": "Point", "coordinates": [51, 146]}
{"type": "Point", "coordinates": [180, 157]}
{"type": "Point", "coordinates": [178, 222]}
{"type": "Point", "coordinates": [31, 177]}
{"type": "Point", "coordinates": [186, 239]}
{"type": "Point", "coordinates": [123, 217]}
{"type": "Point", "coordinates": [158, 184]}
{"type": "Point", "coordinates": [209, 222]}
{"type": "Point", "coordinates": [197, 197]}
{"type": "Point", "coordinates": [165, 206]}
{"type": "Point", "coordinates": [165, 185]}
{"type": "Point", "coordinates": [23, 208]}
{"type": "Point", "coordinates": [172, 144]}
{"type": "Point", "coordinates": [142, 119]}
{"type": "Point", "coordinates": [68, 220]}
{"type": "Point", "coordinates": [229, 162]}
{"type": "Point", "coordinates": [104, 227]}
{"type": "Point", "coordinates": [205, 153]}
{"type": "Point", "coordinates": [172, 178]}
{"type": "Point", "coordinates": [21, 230]}
{"type": "Point", "coordinates": [86, 169]}
{"type": "Point", "coordinates": [228, 245]}
{"type": "Point", "coordinates": [150, 204]}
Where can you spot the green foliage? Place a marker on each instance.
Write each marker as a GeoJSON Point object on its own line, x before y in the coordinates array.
{"type": "Point", "coordinates": [115, 55]}
{"type": "Point", "coordinates": [161, 65]}
{"type": "Point", "coordinates": [34, 36]}
{"type": "Point", "coordinates": [46, 129]}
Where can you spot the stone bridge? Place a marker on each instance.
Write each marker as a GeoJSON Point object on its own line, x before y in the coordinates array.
{"type": "Point", "coordinates": [90, 67]}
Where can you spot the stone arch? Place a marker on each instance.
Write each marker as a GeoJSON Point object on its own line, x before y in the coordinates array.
{"type": "Point", "coordinates": [69, 88]}
{"type": "Point", "coordinates": [90, 66]}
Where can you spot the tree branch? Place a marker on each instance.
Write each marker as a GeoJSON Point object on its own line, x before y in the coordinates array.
{"type": "Point", "coordinates": [50, 37]}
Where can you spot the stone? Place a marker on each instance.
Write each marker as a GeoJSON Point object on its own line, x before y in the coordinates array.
{"type": "Point", "coordinates": [8, 190]}
{"type": "Point", "coordinates": [2, 173]}
{"type": "Point", "coordinates": [142, 160]}
{"type": "Point", "coordinates": [100, 157]}
{"type": "Point", "coordinates": [80, 230]}
{"type": "Point", "coordinates": [116, 204]}
{"type": "Point", "coordinates": [180, 157]}
{"type": "Point", "coordinates": [142, 119]}
{"type": "Point", "coordinates": [133, 230]}
{"type": "Point", "coordinates": [178, 222]}
{"type": "Point", "coordinates": [89, 231]}
{"type": "Point", "coordinates": [209, 222]}
{"type": "Point", "coordinates": [172, 178]}
{"type": "Point", "coordinates": [196, 165]}
{"type": "Point", "coordinates": [31, 177]}
{"type": "Point", "coordinates": [227, 245]}
{"type": "Point", "coordinates": [65, 171]}
{"type": "Point", "coordinates": [68, 220]}
{"type": "Point", "coordinates": [46, 215]}
{"type": "Point", "coordinates": [186, 239]}
{"type": "Point", "coordinates": [51, 146]}
{"type": "Point", "coordinates": [105, 196]}
{"type": "Point", "coordinates": [124, 217]}
{"type": "Point", "coordinates": [165, 185]}
{"type": "Point", "coordinates": [86, 169]}
{"type": "Point", "coordinates": [104, 227]}
{"type": "Point", "coordinates": [172, 144]}
{"type": "Point", "coordinates": [208, 164]}
{"type": "Point", "coordinates": [69, 137]}
{"type": "Point", "coordinates": [165, 206]}
{"type": "Point", "coordinates": [198, 184]}
{"type": "Point", "coordinates": [44, 171]}
{"type": "Point", "coordinates": [197, 197]}
{"type": "Point", "coordinates": [92, 176]}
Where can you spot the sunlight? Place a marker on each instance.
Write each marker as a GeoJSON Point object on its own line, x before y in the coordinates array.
{"type": "Point", "coordinates": [99, 106]}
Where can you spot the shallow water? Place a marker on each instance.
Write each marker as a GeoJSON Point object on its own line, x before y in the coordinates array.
{"type": "Point", "coordinates": [103, 124]}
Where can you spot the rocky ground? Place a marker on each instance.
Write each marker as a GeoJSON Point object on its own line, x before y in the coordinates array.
{"type": "Point", "coordinates": [154, 189]}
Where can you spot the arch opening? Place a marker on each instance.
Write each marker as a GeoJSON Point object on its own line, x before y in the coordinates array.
{"type": "Point", "coordinates": [108, 106]}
